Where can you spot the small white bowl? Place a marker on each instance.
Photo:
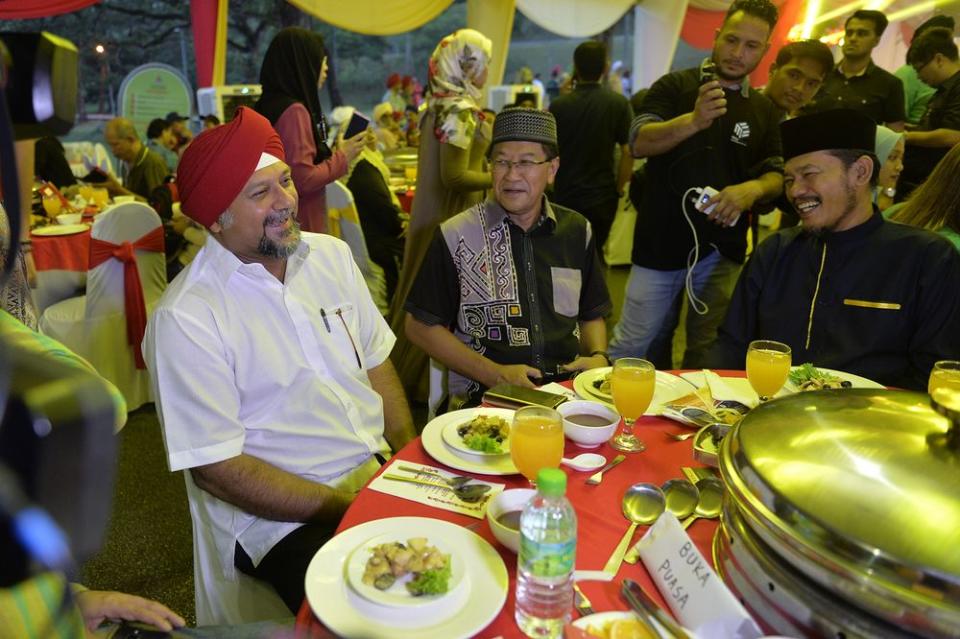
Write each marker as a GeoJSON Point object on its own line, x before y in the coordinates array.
{"type": "Point", "coordinates": [69, 218]}
{"type": "Point", "coordinates": [588, 436]}
{"type": "Point", "coordinates": [509, 500]}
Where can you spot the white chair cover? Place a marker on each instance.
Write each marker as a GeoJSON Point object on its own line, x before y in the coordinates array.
{"type": "Point", "coordinates": [219, 600]}
{"type": "Point", "coordinates": [343, 222]}
{"type": "Point", "coordinates": [94, 325]}
{"type": "Point", "coordinates": [438, 388]}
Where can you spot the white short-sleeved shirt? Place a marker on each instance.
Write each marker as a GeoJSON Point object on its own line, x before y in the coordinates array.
{"type": "Point", "coordinates": [242, 363]}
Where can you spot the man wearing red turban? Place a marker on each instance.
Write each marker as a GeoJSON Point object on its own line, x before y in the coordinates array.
{"type": "Point", "coordinates": [269, 364]}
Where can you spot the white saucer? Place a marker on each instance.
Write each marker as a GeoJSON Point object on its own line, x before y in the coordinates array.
{"type": "Point", "coordinates": [432, 440]}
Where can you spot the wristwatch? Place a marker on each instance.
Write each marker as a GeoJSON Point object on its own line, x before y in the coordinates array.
{"type": "Point", "coordinates": [606, 356]}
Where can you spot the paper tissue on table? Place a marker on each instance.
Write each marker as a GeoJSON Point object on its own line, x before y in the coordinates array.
{"type": "Point", "coordinates": [696, 595]}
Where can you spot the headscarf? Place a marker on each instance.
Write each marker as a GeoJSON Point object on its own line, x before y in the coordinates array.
{"type": "Point", "coordinates": [457, 60]}
{"type": "Point", "coordinates": [886, 140]}
{"type": "Point", "coordinates": [217, 164]}
{"type": "Point", "coordinates": [289, 74]}
{"type": "Point", "coordinates": [339, 118]}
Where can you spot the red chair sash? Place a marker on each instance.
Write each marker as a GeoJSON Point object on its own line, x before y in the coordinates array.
{"type": "Point", "coordinates": [134, 306]}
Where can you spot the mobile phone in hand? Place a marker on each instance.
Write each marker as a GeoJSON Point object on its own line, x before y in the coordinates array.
{"type": "Point", "coordinates": [708, 72]}
{"type": "Point", "coordinates": [358, 124]}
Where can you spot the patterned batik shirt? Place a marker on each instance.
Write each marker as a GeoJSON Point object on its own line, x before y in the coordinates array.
{"type": "Point", "coordinates": [515, 296]}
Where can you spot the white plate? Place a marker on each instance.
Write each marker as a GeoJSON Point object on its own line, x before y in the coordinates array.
{"type": "Point", "coordinates": [669, 387]}
{"type": "Point", "coordinates": [432, 439]}
{"type": "Point", "coordinates": [453, 439]}
{"type": "Point", "coordinates": [347, 614]}
{"type": "Point", "coordinates": [397, 594]}
{"type": "Point", "coordinates": [855, 380]}
{"type": "Point", "coordinates": [61, 229]}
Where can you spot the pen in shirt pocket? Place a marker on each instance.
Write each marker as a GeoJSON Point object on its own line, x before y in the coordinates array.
{"type": "Point", "coordinates": [326, 322]}
{"type": "Point", "coordinates": [350, 335]}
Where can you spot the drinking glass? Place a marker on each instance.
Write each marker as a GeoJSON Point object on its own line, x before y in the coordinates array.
{"type": "Point", "coordinates": [632, 384]}
{"type": "Point", "coordinates": [101, 197]}
{"type": "Point", "coordinates": [945, 374]}
{"type": "Point", "coordinates": [768, 364]}
{"type": "Point", "coordinates": [86, 192]}
{"type": "Point", "coordinates": [52, 205]}
{"type": "Point", "coordinates": [536, 440]}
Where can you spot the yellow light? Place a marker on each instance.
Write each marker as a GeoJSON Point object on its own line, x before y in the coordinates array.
{"type": "Point", "coordinates": [813, 9]}
{"type": "Point", "coordinates": [99, 48]}
{"type": "Point", "coordinates": [915, 9]}
{"type": "Point", "coordinates": [850, 7]}
{"type": "Point", "coordinates": [878, 5]}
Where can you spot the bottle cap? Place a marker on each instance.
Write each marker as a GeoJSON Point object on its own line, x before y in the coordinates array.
{"type": "Point", "coordinates": [551, 482]}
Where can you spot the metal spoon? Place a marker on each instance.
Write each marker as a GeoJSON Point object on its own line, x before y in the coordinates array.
{"type": "Point", "coordinates": [681, 498]}
{"type": "Point", "coordinates": [456, 480]}
{"type": "Point", "coordinates": [471, 493]}
{"type": "Point", "coordinates": [642, 504]}
{"type": "Point", "coordinates": [711, 500]}
{"type": "Point", "coordinates": [585, 461]}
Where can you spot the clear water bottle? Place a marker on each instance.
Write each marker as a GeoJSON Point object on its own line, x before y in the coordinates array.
{"type": "Point", "coordinates": [548, 544]}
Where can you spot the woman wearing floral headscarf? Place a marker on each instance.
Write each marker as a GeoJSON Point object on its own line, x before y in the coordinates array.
{"type": "Point", "coordinates": [451, 176]}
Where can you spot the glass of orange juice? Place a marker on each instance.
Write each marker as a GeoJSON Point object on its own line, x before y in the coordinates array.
{"type": "Point", "coordinates": [52, 205]}
{"type": "Point", "coordinates": [536, 440]}
{"type": "Point", "coordinates": [101, 197]}
{"type": "Point", "coordinates": [86, 192]}
{"type": "Point", "coordinates": [945, 374]}
{"type": "Point", "coordinates": [632, 384]}
{"type": "Point", "coordinates": [768, 364]}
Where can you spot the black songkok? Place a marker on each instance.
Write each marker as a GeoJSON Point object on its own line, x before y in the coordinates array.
{"type": "Point", "coordinates": [826, 131]}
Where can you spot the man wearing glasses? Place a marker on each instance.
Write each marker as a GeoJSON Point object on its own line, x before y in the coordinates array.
{"type": "Point", "coordinates": [511, 290]}
{"type": "Point", "coordinates": [934, 56]}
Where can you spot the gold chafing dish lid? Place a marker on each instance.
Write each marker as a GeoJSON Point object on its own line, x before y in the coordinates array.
{"type": "Point", "coordinates": [865, 479]}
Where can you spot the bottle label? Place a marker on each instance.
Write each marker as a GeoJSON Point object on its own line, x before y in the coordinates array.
{"type": "Point", "coordinates": [547, 560]}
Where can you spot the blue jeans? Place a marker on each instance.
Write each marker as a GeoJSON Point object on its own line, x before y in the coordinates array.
{"type": "Point", "coordinates": [651, 312]}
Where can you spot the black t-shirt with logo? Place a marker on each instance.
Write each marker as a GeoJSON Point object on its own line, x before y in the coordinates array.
{"type": "Point", "coordinates": [743, 144]}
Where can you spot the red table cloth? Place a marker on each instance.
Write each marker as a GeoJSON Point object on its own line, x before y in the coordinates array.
{"type": "Point", "coordinates": [62, 252]}
{"type": "Point", "coordinates": [600, 522]}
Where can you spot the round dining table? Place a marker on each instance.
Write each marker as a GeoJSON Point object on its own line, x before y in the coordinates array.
{"type": "Point", "coordinates": [600, 521]}
{"type": "Point", "coordinates": [61, 262]}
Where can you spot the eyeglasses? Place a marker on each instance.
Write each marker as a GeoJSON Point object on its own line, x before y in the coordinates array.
{"type": "Point", "coordinates": [522, 166]}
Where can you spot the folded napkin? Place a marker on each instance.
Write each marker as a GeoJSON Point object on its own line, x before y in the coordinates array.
{"type": "Point", "coordinates": [438, 496]}
{"type": "Point", "coordinates": [724, 389]}
{"type": "Point", "coordinates": [558, 389]}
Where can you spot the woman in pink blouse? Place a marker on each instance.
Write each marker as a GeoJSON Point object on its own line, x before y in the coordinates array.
{"type": "Point", "coordinates": [293, 71]}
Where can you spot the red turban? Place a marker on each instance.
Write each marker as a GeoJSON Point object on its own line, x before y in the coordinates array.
{"type": "Point", "coordinates": [217, 164]}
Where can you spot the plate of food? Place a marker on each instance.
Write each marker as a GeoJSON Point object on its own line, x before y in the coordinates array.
{"type": "Point", "coordinates": [336, 603]}
{"type": "Point", "coordinates": [595, 384]}
{"type": "Point", "coordinates": [60, 229]}
{"type": "Point", "coordinates": [614, 624]}
{"type": "Point", "coordinates": [483, 435]}
{"type": "Point", "coordinates": [433, 442]}
{"type": "Point", "coordinates": [413, 572]}
{"type": "Point", "coordinates": [808, 377]}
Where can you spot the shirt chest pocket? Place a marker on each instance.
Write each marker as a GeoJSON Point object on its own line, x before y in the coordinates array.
{"type": "Point", "coordinates": [340, 323]}
{"type": "Point", "coordinates": [566, 290]}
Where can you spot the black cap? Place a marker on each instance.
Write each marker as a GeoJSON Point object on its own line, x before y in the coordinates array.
{"type": "Point", "coordinates": [938, 20]}
{"type": "Point", "coordinates": [173, 116]}
{"type": "Point", "coordinates": [826, 131]}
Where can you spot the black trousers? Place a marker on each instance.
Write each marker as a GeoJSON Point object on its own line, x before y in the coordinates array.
{"type": "Point", "coordinates": [285, 566]}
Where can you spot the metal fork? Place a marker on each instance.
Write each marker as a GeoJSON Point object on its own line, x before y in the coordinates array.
{"type": "Point", "coordinates": [580, 601]}
{"type": "Point", "coordinates": [597, 477]}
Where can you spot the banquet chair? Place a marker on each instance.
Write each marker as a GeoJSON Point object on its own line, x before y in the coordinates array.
{"type": "Point", "coordinates": [437, 392]}
{"type": "Point", "coordinates": [224, 595]}
{"type": "Point", "coordinates": [343, 222]}
{"type": "Point", "coordinates": [126, 276]}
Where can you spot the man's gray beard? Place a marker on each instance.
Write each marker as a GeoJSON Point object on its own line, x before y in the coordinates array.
{"type": "Point", "coordinates": [826, 230]}
{"type": "Point", "coordinates": [275, 250]}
